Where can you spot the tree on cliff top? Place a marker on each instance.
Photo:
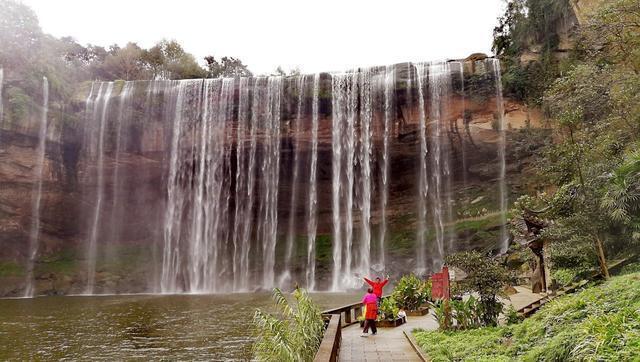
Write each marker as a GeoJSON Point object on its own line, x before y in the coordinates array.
{"type": "Point", "coordinates": [20, 33]}
{"type": "Point", "coordinates": [226, 67]}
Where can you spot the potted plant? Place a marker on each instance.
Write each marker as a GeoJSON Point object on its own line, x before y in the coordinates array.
{"type": "Point", "coordinates": [412, 293]}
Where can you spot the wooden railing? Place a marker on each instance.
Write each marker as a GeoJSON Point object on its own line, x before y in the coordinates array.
{"type": "Point", "coordinates": [330, 346]}
{"type": "Point", "coordinates": [349, 312]}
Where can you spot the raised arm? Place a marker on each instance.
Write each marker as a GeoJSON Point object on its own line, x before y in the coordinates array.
{"type": "Point", "coordinates": [369, 281]}
{"type": "Point", "coordinates": [384, 282]}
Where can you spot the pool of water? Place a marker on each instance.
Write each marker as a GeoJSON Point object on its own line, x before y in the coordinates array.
{"type": "Point", "coordinates": [120, 327]}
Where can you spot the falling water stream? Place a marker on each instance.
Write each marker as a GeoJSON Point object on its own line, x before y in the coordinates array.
{"type": "Point", "coordinates": [439, 76]}
{"type": "Point", "coordinates": [102, 100]}
{"type": "Point", "coordinates": [423, 183]}
{"type": "Point", "coordinates": [1, 100]}
{"type": "Point", "coordinates": [291, 234]}
{"type": "Point", "coordinates": [36, 192]}
{"type": "Point", "coordinates": [312, 216]}
{"type": "Point", "coordinates": [502, 184]}
{"type": "Point", "coordinates": [388, 85]}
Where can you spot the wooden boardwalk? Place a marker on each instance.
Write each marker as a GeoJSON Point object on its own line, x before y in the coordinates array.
{"type": "Point", "coordinates": [390, 344]}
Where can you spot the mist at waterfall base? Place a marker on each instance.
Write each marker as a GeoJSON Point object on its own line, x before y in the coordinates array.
{"type": "Point", "coordinates": [238, 184]}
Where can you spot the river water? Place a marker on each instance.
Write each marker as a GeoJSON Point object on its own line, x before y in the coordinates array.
{"type": "Point", "coordinates": [175, 327]}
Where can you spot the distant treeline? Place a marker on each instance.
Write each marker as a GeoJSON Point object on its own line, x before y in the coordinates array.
{"type": "Point", "coordinates": [27, 54]}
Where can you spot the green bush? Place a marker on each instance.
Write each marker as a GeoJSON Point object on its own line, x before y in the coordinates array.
{"type": "Point", "coordinates": [511, 316]}
{"type": "Point", "coordinates": [486, 277]}
{"type": "Point", "coordinates": [564, 276]}
{"type": "Point", "coordinates": [411, 292]}
{"type": "Point", "coordinates": [388, 309]}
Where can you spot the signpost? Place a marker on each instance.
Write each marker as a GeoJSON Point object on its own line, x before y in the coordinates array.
{"type": "Point", "coordinates": [440, 288]}
{"type": "Point", "coordinates": [440, 285]}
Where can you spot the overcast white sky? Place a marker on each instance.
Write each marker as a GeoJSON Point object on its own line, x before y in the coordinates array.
{"type": "Point", "coordinates": [322, 35]}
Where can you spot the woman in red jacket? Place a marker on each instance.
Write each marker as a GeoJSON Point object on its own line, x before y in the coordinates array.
{"type": "Point", "coordinates": [377, 287]}
{"type": "Point", "coordinates": [371, 313]}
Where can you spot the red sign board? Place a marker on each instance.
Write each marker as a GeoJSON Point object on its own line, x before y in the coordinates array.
{"type": "Point", "coordinates": [440, 284]}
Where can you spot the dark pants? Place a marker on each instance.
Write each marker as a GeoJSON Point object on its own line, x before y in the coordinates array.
{"type": "Point", "coordinates": [370, 323]}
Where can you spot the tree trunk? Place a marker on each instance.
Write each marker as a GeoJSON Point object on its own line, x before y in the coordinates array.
{"type": "Point", "coordinates": [602, 260]}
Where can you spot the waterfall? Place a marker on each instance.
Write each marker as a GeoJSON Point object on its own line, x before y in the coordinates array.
{"type": "Point", "coordinates": [270, 177]}
{"type": "Point", "coordinates": [463, 143]}
{"type": "Point", "coordinates": [95, 225]}
{"type": "Point", "coordinates": [345, 102]}
{"type": "Point", "coordinates": [1, 102]}
{"type": "Point", "coordinates": [202, 255]}
{"type": "Point", "coordinates": [423, 182]}
{"type": "Point", "coordinates": [389, 117]}
{"type": "Point", "coordinates": [246, 157]}
{"type": "Point", "coordinates": [352, 152]}
{"type": "Point", "coordinates": [197, 216]}
{"type": "Point", "coordinates": [366, 151]}
{"type": "Point", "coordinates": [251, 181]}
{"type": "Point", "coordinates": [175, 199]}
{"type": "Point", "coordinates": [242, 206]}
{"type": "Point", "coordinates": [439, 83]}
{"type": "Point", "coordinates": [286, 274]}
{"type": "Point", "coordinates": [502, 141]}
{"type": "Point", "coordinates": [448, 153]}
{"type": "Point", "coordinates": [36, 192]}
{"type": "Point", "coordinates": [312, 216]}
{"type": "Point", "coordinates": [124, 109]}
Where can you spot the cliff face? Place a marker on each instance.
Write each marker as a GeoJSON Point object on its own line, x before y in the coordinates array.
{"type": "Point", "coordinates": [582, 8]}
{"type": "Point", "coordinates": [130, 185]}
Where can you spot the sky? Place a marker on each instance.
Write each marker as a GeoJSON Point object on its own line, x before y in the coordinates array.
{"type": "Point", "coordinates": [314, 36]}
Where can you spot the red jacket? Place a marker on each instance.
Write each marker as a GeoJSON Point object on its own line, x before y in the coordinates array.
{"type": "Point", "coordinates": [377, 287]}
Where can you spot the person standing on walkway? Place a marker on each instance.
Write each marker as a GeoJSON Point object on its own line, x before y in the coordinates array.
{"type": "Point", "coordinates": [370, 302]}
{"type": "Point", "coordinates": [377, 287]}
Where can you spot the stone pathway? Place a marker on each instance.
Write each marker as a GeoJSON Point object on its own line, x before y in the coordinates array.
{"type": "Point", "coordinates": [523, 297]}
{"type": "Point", "coordinates": [390, 344]}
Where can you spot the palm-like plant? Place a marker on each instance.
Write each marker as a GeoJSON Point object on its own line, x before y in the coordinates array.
{"type": "Point", "coordinates": [294, 335]}
{"type": "Point", "coordinates": [622, 199]}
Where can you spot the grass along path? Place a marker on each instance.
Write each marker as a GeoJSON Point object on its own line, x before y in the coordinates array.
{"type": "Point", "coordinates": [599, 323]}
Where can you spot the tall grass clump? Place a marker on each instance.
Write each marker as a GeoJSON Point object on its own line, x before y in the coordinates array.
{"type": "Point", "coordinates": [293, 334]}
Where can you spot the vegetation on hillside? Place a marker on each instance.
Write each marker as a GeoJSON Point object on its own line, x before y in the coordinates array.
{"type": "Point", "coordinates": [601, 323]}
{"type": "Point", "coordinates": [530, 25]}
{"type": "Point", "coordinates": [591, 167]}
